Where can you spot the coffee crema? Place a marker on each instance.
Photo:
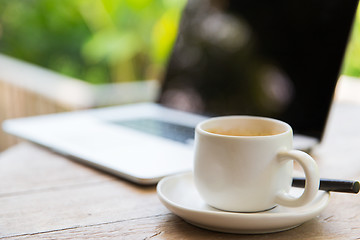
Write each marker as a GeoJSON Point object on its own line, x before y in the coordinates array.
{"type": "Point", "coordinates": [242, 132]}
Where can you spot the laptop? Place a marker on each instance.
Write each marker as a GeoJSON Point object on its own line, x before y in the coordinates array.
{"type": "Point", "coordinates": [278, 59]}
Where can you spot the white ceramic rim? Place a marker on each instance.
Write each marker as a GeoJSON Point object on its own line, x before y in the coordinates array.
{"type": "Point", "coordinates": [199, 127]}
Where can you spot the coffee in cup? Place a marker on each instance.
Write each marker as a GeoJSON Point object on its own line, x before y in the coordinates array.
{"type": "Point", "coordinates": [244, 164]}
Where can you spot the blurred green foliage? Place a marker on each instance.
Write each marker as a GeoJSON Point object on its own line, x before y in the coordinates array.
{"type": "Point", "coordinates": [351, 66]}
{"type": "Point", "coordinates": [99, 41]}
{"type": "Point", "coordinates": [102, 41]}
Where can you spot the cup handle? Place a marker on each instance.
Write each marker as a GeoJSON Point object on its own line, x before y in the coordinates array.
{"type": "Point", "coordinates": [312, 179]}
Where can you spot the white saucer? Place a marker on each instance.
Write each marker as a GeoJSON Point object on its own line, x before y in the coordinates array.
{"type": "Point", "coordinates": [180, 196]}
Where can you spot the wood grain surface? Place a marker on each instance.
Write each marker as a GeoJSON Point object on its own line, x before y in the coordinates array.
{"type": "Point", "coordinates": [46, 196]}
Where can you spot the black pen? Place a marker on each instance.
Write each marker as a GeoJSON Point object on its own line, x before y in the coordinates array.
{"type": "Point", "coordinates": [333, 185]}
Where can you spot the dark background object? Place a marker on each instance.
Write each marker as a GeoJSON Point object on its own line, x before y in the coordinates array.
{"type": "Point", "coordinates": [277, 58]}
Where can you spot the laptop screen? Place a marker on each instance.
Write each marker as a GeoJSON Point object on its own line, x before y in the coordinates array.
{"type": "Point", "coordinates": [276, 58]}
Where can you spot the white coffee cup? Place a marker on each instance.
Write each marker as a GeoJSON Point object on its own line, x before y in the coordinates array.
{"type": "Point", "coordinates": [244, 164]}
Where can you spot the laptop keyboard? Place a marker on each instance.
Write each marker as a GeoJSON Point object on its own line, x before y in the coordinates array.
{"type": "Point", "coordinates": [176, 132]}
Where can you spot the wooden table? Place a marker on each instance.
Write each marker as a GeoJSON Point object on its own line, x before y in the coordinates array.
{"type": "Point", "coordinates": [46, 196]}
